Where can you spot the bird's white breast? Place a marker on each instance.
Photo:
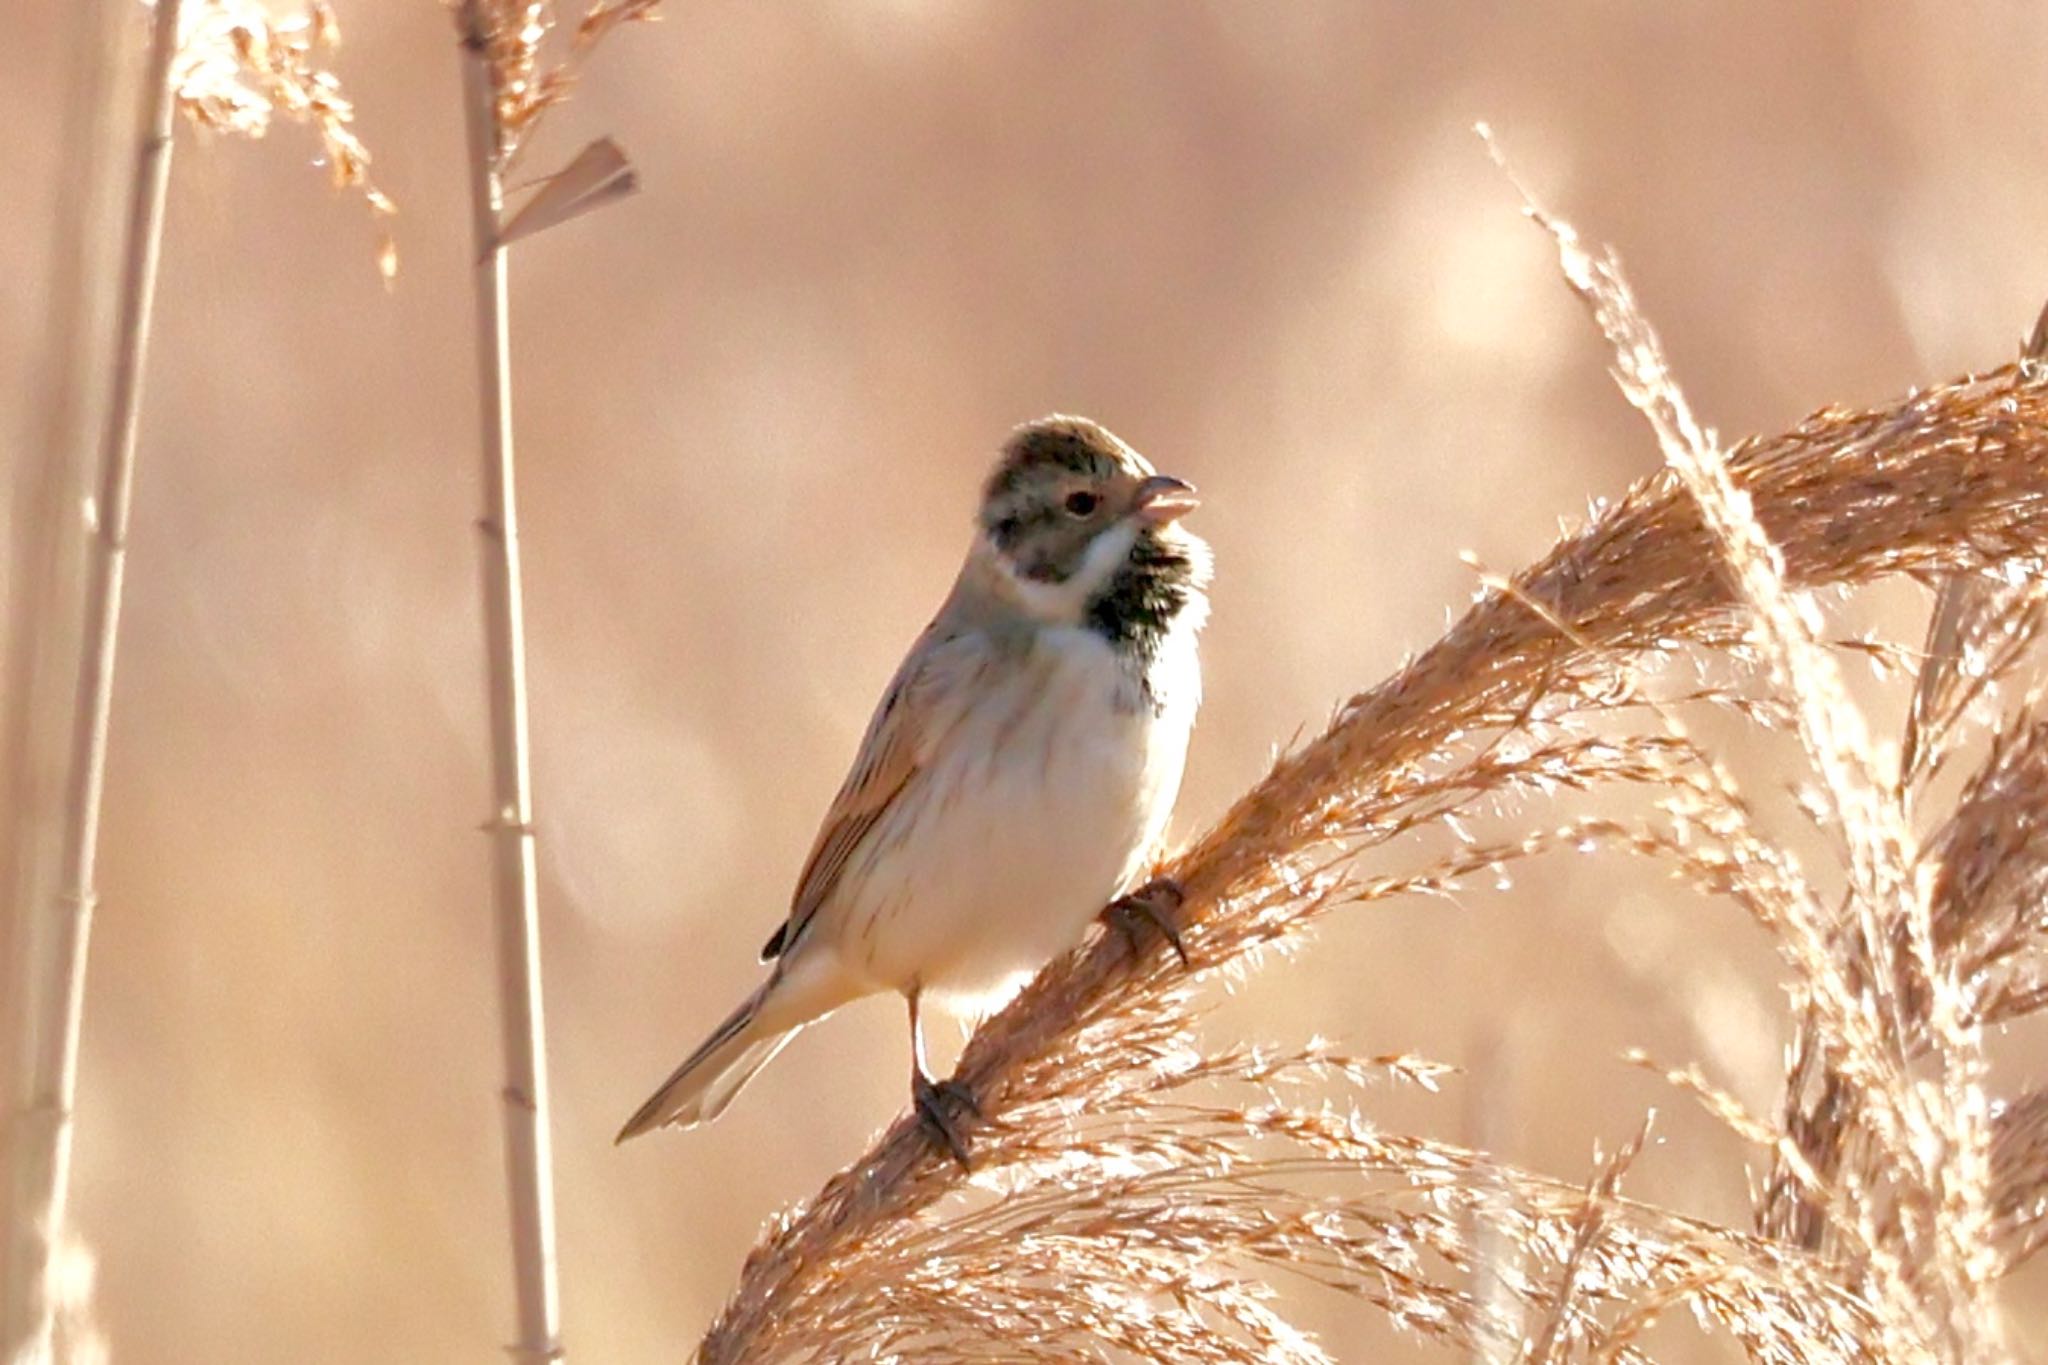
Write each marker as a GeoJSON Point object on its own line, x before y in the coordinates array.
{"type": "Point", "coordinates": [1052, 784]}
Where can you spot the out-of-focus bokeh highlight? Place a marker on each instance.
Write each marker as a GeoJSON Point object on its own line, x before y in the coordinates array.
{"type": "Point", "coordinates": [754, 403]}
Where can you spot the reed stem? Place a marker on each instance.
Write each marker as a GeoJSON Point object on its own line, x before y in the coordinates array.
{"type": "Point", "coordinates": [528, 1160]}
{"type": "Point", "coordinates": [52, 955]}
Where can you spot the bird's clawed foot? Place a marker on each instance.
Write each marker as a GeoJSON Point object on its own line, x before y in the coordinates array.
{"type": "Point", "coordinates": [941, 1108]}
{"type": "Point", "coordinates": [1157, 903]}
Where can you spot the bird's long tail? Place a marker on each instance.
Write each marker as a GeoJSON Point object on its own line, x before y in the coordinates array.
{"type": "Point", "coordinates": [703, 1085]}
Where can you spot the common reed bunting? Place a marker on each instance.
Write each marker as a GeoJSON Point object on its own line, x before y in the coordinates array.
{"type": "Point", "coordinates": [1016, 776]}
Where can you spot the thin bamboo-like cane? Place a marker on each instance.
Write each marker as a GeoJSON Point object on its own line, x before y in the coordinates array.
{"type": "Point", "coordinates": [45, 557]}
{"type": "Point", "coordinates": [54, 954]}
{"type": "Point", "coordinates": [528, 1161]}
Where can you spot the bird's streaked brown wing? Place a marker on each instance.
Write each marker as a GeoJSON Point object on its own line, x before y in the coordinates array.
{"type": "Point", "coordinates": [892, 755]}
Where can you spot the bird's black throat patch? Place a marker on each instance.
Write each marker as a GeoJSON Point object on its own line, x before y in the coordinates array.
{"type": "Point", "coordinates": [1151, 587]}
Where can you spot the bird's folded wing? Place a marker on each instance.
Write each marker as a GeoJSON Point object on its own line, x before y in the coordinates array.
{"type": "Point", "coordinates": [898, 746]}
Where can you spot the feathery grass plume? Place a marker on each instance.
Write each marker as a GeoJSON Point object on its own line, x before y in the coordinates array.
{"type": "Point", "coordinates": [525, 81]}
{"type": "Point", "coordinates": [1928, 1147]}
{"type": "Point", "coordinates": [1590, 1226]}
{"type": "Point", "coordinates": [507, 87]}
{"type": "Point", "coordinates": [1129, 1201]}
{"type": "Point", "coordinates": [238, 68]}
{"type": "Point", "coordinates": [1981, 629]}
{"type": "Point", "coordinates": [49, 951]}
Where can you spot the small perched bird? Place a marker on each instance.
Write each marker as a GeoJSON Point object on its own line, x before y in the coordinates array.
{"type": "Point", "coordinates": [1019, 770]}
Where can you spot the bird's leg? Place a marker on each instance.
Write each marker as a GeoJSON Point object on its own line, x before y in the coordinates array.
{"type": "Point", "coordinates": [939, 1104]}
{"type": "Point", "coordinates": [1156, 903]}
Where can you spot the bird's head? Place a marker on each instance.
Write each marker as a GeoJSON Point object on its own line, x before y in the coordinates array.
{"type": "Point", "coordinates": [1068, 508]}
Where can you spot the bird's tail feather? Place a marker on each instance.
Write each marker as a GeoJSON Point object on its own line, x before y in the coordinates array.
{"type": "Point", "coordinates": [707, 1082]}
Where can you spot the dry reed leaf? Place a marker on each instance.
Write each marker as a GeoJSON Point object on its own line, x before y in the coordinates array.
{"type": "Point", "coordinates": [598, 175]}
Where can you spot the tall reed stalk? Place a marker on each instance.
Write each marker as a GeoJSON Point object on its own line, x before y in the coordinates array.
{"type": "Point", "coordinates": [55, 937]}
{"type": "Point", "coordinates": [45, 570]}
{"type": "Point", "coordinates": [528, 1161]}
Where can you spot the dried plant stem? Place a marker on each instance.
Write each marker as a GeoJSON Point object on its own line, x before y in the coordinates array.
{"type": "Point", "coordinates": [45, 571]}
{"type": "Point", "coordinates": [54, 953]}
{"type": "Point", "coordinates": [528, 1160]}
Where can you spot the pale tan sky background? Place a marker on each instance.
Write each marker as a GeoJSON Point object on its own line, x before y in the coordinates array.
{"type": "Point", "coordinates": [1259, 241]}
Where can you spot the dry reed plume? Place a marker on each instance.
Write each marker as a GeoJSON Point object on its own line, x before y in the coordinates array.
{"type": "Point", "coordinates": [1134, 1191]}
{"type": "Point", "coordinates": [238, 69]}
{"type": "Point", "coordinates": [527, 77]}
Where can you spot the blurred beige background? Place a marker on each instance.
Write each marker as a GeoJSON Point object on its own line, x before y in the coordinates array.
{"type": "Point", "coordinates": [754, 403]}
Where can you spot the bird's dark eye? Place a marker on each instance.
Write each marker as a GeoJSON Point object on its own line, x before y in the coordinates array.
{"type": "Point", "coordinates": [1081, 504]}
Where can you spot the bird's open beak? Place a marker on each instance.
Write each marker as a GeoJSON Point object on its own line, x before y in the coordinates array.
{"type": "Point", "coordinates": [1163, 498]}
